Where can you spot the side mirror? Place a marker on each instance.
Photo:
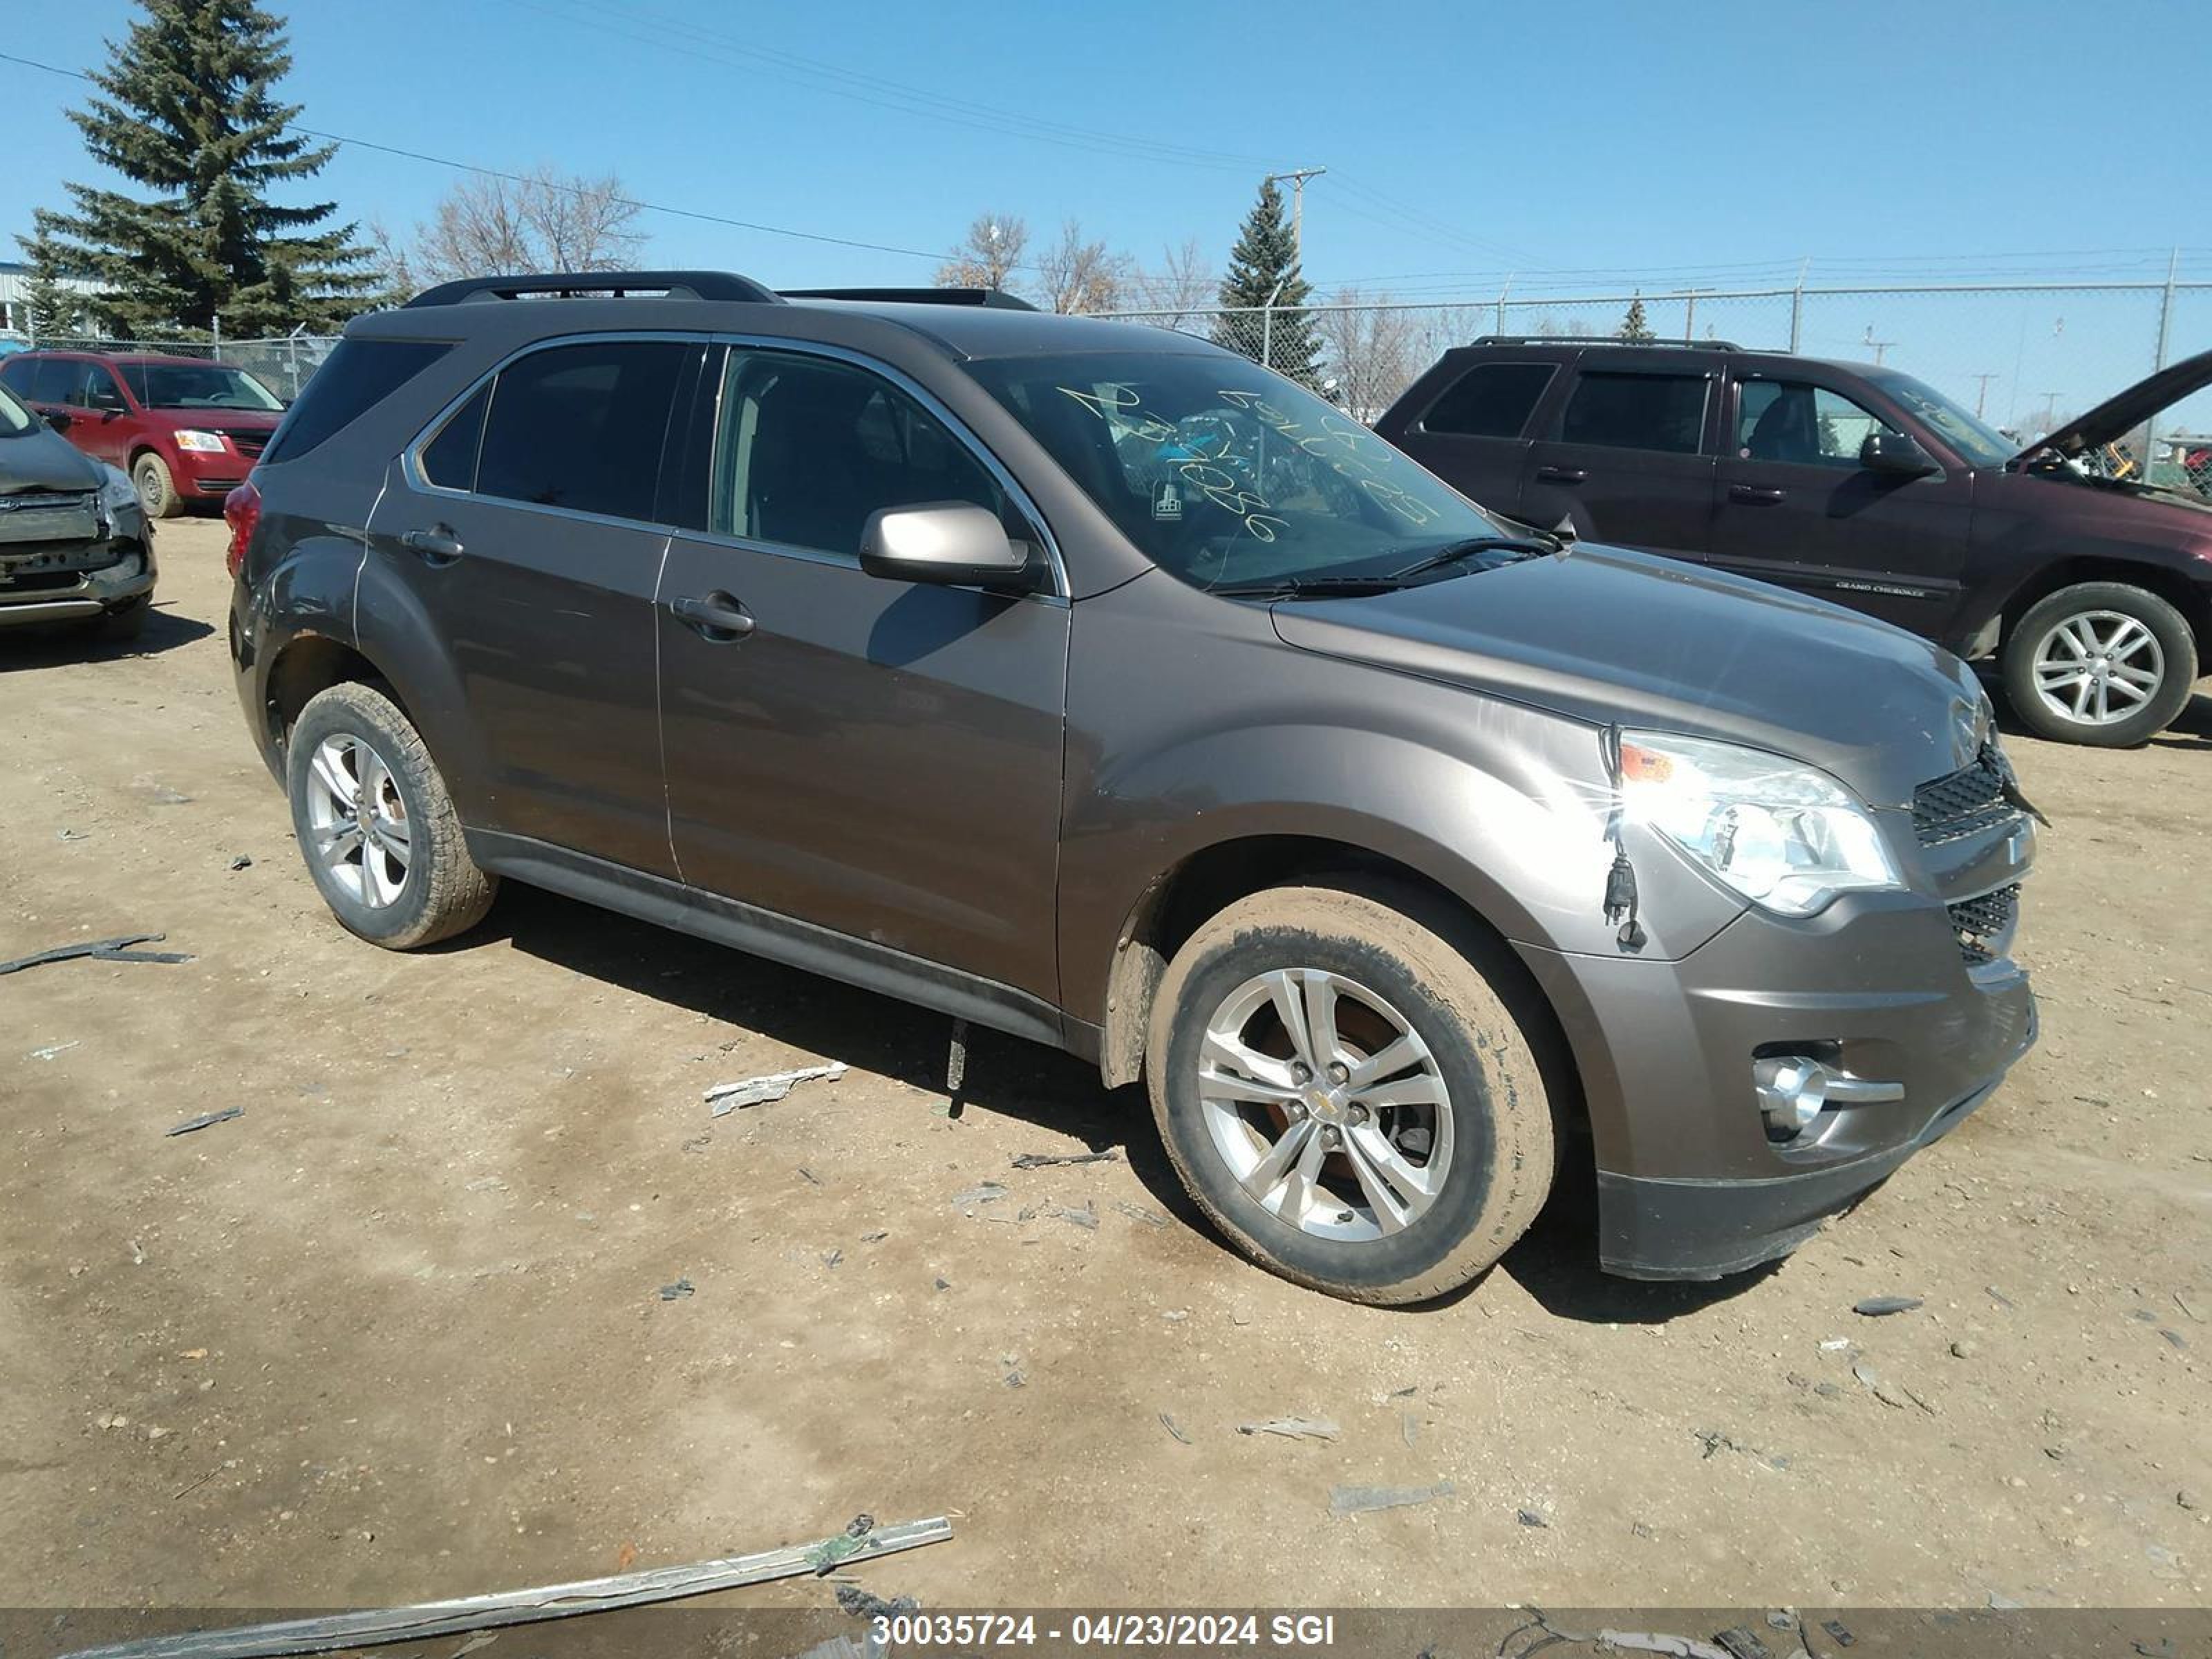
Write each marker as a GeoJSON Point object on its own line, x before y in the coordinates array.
{"type": "Point", "coordinates": [59, 420]}
{"type": "Point", "coordinates": [954, 544]}
{"type": "Point", "coordinates": [1895, 454]}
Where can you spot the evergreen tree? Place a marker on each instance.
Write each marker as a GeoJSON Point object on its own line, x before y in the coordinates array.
{"type": "Point", "coordinates": [1634, 327]}
{"type": "Point", "coordinates": [190, 114]}
{"type": "Point", "coordinates": [51, 310]}
{"type": "Point", "coordinates": [1264, 264]}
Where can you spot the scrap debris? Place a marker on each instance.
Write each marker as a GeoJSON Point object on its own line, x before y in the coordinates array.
{"type": "Point", "coordinates": [682, 1287]}
{"type": "Point", "coordinates": [473, 1613]}
{"type": "Point", "coordinates": [191, 1125]}
{"type": "Point", "coordinates": [727, 1098]}
{"type": "Point", "coordinates": [852, 1599]}
{"type": "Point", "coordinates": [1174, 1428]}
{"type": "Point", "coordinates": [825, 1555]}
{"type": "Point", "coordinates": [1139, 1214]}
{"type": "Point", "coordinates": [1053, 1160]}
{"type": "Point", "coordinates": [1876, 1307]}
{"type": "Point", "coordinates": [1362, 1500]}
{"type": "Point", "coordinates": [1294, 1428]}
{"type": "Point", "coordinates": [983, 1192]}
{"type": "Point", "coordinates": [99, 949]}
{"type": "Point", "coordinates": [53, 1049]}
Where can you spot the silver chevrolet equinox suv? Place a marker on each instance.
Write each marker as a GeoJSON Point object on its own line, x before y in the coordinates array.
{"type": "Point", "coordinates": [1091, 683]}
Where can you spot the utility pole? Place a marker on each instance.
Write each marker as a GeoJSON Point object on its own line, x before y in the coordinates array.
{"type": "Point", "coordinates": [2049, 411]}
{"type": "Point", "coordinates": [1981, 393]}
{"type": "Point", "coordinates": [1880, 346]}
{"type": "Point", "coordinates": [1298, 176]}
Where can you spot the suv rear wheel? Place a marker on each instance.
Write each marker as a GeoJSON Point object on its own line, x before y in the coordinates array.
{"type": "Point", "coordinates": [1346, 1095]}
{"type": "Point", "coordinates": [2100, 663]}
{"type": "Point", "coordinates": [375, 824]}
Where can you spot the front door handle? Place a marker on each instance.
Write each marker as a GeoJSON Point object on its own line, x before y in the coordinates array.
{"type": "Point", "coordinates": [1753, 495]}
{"type": "Point", "coordinates": [717, 617]}
{"type": "Point", "coordinates": [1560, 475]}
{"type": "Point", "coordinates": [438, 545]}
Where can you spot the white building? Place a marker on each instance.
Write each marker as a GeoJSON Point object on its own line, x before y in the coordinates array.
{"type": "Point", "coordinates": [14, 279]}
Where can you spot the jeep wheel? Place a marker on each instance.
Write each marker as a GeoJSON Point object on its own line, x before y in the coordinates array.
{"type": "Point", "coordinates": [2100, 663]}
{"type": "Point", "coordinates": [1347, 1095]}
{"type": "Point", "coordinates": [157, 492]}
{"type": "Point", "coordinates": [375, 824]}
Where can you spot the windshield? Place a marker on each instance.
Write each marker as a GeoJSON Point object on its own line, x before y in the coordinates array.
{"type": "Point", "coordinates": [15, 419]}
{"type": "Point", "coordinates": [1226, 475]}
{"type": "Point", "coordinates": [1981, 444]}
{"type": "Point", "coordinates": [198, 385]}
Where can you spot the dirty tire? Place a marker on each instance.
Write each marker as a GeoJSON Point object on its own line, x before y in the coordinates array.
{"type": "Point", "coordinates": [125, 622]}
{"type": "Point", "coordinates": [444, 893]}
{"type": "Point", "coordinates": [157, 491]}
{"type": "Point", "coordinates": [1502, 1164]}
{"type": "Point", "coordinates": [2177, 646]}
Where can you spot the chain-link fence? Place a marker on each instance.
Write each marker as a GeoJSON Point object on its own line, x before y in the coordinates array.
{"type": "Point", "coordinates": [2025, 358]}
{"type": "Point", "coordinates": [281, 365]}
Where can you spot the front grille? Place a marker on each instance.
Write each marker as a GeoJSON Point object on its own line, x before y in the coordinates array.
{"type": "Point", "coordinates": [1970, 801]}
{"type": "Point", "coordinates": [30, 517]}
{"type": "Point", "coordinates": [1984, 925]}
{"type": "Point", "coordinates": [249, 444]}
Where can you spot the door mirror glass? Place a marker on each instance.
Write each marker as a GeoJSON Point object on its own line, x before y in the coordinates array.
{"type": "Point", "coordinates": [952, 543]}
{"type": "Point", "coordinates": [59, 420]}
{"type": "Point", "coordinates": [1895, 454]}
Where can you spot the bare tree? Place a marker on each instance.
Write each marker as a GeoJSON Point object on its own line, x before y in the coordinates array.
{"type": "Point", "coordinates": [542, 221]}
{"type": "Point", "coordinates": [1183, 284]}
{"type": "Point", "coordinates": [988, 256]}
{"type": "Point", "coordinates": [1370, 350]}
{"type": "Point", "coordinates": [1079, 276]}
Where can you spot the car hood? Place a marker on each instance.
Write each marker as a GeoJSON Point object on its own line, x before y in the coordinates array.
{"type": "Point", "coordinates": [42, 458]}
{"type": "Point", "coordinates": [2116, 417]}
{"type": "Point", "coordinates": [1610, 637]}
{"type": "Point", "coordinates": [217, 420]}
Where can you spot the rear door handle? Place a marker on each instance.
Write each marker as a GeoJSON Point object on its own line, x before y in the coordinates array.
{"type": "Point", "coordinates": [437, 546]}
{"type": "Point", "coordinates": [1753, 495]}
{"type": "Point", "coordinates": [1560, 475]}
{"type": "Point", "coordinates": [717, 617]}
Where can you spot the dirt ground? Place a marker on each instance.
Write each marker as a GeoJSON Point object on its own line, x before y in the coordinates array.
{"type": "Point", "coordinates": [398, 1331]}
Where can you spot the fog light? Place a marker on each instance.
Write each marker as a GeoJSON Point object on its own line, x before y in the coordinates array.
{"type": "Point", "coordinates": [1794, 1089]}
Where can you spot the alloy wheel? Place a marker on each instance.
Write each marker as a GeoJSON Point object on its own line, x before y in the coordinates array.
{"type": "Point", "coordinates": [1327, 1107]}
{"type": "Point", "coordinates": [357, 819]}
{"type": "Point", "coordinates": [2098, 666]}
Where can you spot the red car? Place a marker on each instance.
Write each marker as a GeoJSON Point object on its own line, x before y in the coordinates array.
{"type": "Point", "coordinates": [185, 429]}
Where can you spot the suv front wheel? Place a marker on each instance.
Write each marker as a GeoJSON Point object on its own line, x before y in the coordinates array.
{"type": "Point", "coordinates": [375, 824]}
{"type": "Point", "coordinates": [2101, 663]}
{"type": "Point", "coordinates": [1346, 1095]}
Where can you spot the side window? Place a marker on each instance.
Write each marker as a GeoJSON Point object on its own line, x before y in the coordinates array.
{"type": "Point", "coordinates": [1805, 425]}
{"type": "Point", "coordinates": [449, 460]}
{"type": "Point", "coordinates": [808, 448]}
{"type": "Point", "coordinates": [50, 384]}
{"type": "Point", "coordinates": [581, 426]}
{"type": "Point", "coordinates": [1638, 412]}
{"type": "Point", "coordinates": [99, 390]}
{"type": "Point", "coordinates": [1490, 400]}
{"type": "Point", "coordinates": [358, 375]}
{"type": "Point", "coordinates": [15, 374]}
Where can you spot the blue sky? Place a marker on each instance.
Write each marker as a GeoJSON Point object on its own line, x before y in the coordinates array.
{"type": "Point", "coordinates": [1579, 147]}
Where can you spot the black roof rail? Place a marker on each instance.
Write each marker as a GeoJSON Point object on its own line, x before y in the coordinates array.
{"type": "Point", "coordinates": [676, 284]}
{"type": "Point", "coordinates": [1597, 340]}
{"type": "Point", "coordinates": [997, 298]}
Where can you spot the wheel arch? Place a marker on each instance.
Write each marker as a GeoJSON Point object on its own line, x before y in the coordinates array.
{"type": "Point", "coordinates": [2192, 598]}
{"type": "Point", "coordinates": [1209, 880]}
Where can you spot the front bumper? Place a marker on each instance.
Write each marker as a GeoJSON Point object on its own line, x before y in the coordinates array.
{"type": "Point", "coordinates": [209, 474]}
{"type": "Point", "coordinates": [30, 595]}
{"type": "Point", "coordinates": [1689, 1186]}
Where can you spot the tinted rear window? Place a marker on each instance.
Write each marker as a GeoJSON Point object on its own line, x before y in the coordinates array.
{"type": "Point", "coordinates": [581, 426]}
{"type": "Point", "coordinates": [359, 375]}
{"type": "Point", "coordinates": [1638, 412]}
{"type": "Point", "coordinates": [1490, 400]}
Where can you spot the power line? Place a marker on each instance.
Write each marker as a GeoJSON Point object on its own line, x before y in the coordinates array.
{"type": "Point", "coordinates": [694, 214]}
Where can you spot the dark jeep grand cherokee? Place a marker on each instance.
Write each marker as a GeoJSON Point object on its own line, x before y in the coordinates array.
{"type": "Point", "coordinates": [1094, 683]}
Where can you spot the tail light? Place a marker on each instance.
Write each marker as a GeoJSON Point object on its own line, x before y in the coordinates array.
{"type": "Point", "coordinates": [241, 511]}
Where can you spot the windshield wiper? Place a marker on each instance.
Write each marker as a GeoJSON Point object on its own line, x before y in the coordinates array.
{"type": "Point", "coordinates": [1308, 587]}
{"type": "Point", "coordinates": [1532, 546]}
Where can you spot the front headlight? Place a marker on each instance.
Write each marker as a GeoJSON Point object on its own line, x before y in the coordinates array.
{"type": "Point", "coordinates": [201, 443]}
{"type": "Point", "coordinates": [1784, 835]}
{"type": "Point", "coordinates": [118, 496]}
